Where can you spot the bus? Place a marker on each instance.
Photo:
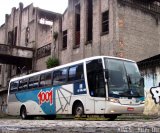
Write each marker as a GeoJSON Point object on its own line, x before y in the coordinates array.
{"type": "Point", "coordinates": [100, 85]}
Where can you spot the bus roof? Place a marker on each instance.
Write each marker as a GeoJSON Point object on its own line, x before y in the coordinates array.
{"type": "Point", "coordinates": [66, 65]}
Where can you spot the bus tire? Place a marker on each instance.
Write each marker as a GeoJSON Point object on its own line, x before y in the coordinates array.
{"type": "Point", "coordinates": [23, 113]}
{"type": "Point", "coordinates": [111, 117]}
{"type": "Point", "coordinates": [78, 110]}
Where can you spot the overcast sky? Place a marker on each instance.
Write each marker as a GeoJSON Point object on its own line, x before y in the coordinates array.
{"type": "Point", "coordinates": [58, 6]}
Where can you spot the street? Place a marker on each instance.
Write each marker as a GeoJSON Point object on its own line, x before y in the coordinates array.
{"type": "Point", "coordinates": [71, 125]}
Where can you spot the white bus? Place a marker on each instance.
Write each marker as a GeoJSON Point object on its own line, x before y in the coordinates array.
{"type": "Point", "coordinates": [100, 85]}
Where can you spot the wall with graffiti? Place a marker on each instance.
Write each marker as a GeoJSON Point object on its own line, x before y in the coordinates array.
{"type": "Point", "coordinates": [152, 90]}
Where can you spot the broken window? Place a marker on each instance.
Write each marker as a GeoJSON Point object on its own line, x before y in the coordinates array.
{"type": "Point", "coordinates": [105, 22]}
{"type": "Point", "coordinates": [77, 24]}
{"type": "Point", "coordinates": [15, 36]}
{"type": "Point", "coordinates": [27, 36]}
{"type": "Point", "coordinates": [10, 37]}
{"type": "Point", "coordinates": [64, 39]}
{"type": "Point", "coordinates": [89, 20]}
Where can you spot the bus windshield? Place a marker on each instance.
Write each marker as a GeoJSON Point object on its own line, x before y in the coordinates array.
{"type": "Point", "coordinates": [124, 79]}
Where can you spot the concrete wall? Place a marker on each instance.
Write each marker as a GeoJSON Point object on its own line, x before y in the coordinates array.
{"type": "Point", "coordinates": [152, 79]}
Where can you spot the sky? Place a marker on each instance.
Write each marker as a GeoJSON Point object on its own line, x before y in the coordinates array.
{"type": "Point", "coordinates": [58, 6]}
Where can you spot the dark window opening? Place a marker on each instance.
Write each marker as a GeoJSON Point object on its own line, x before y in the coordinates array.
{"type": "Point", "coordinates": [77, 24]}
{"type": "Point", "coordinates": [15, 36]}
{"type": "Point", "coordinates": [10, 37]}
{"type": "Point", "coordinates": [105, 22]}
{"type": "Point", "coordinates": [60, 76]}
{"type": "Point", "coordinates": [89, 20]}
{"type": "Point", "coordinates": [0, 69]}
{"type": "Point", "coordinates": [95, 77]}
{"type": "Point", "coordinates": [76, 73]}
{"type": "Point", "coordinates": [27, 36]}
{"type": "Point", "coordinates": [45, 80]}
{"type": "Point", "coordinates": [64, 39]}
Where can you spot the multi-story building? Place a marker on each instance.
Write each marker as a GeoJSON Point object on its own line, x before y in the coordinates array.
{"type": "Point", "coordinates": [25, 37]}
{"type": "Point", "coordinates": [123, 28]}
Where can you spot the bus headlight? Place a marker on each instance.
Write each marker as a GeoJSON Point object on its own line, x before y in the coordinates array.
{"type": "Point", "coordinates": [113, 100]}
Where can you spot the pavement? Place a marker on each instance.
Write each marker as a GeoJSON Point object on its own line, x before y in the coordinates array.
{"type": "Point", "coordinates": [76, 126]}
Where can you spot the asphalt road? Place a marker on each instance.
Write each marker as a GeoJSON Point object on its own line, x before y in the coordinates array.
{"type": "Point", "coordinates": [75, 126]}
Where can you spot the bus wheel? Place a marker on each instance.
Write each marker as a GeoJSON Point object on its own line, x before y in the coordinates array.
{"type": "Point", "coordinates": [23, 113]}
{"type": "Point", "coordinates": [111, 117]}
{"type": "Point", "coordinates": [78, 110]}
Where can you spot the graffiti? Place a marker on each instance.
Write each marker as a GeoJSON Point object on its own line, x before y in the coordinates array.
{"type": "Point", "coordinates": [155, 91]}
{"type": "Point", "coordinates": [45, 97]}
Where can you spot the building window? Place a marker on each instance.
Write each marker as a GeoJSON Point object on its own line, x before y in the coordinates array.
{"type": "Point", "coordinates": [0, 69]}
{"type": "Point", "coordinates": [10, 37]}
{"type": "Point", "coordinates": [27, 36]}
{"type": "Point", "coordinates": [44, 51]}
{"type": "Point", "coordinates": [64, 39]}
{"type": "Point", "coordinates": [105, 22]}
{"type": "Point", "coordinates": [15, 36]}
{"type": "Point", "coordinates": [77, 24]}
{"type": "Point", "coordinates": [89, 20]}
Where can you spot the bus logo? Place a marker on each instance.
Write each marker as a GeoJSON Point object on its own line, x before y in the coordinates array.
{"type": "Point", "coordinates": [45, 97]}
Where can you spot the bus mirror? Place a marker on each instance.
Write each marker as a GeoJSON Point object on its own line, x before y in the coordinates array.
{"type": "Point", "coordinates": [106, 74]}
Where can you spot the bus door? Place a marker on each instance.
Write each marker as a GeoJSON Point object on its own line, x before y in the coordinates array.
{"type": "Point", "coordinates": [96, 85]}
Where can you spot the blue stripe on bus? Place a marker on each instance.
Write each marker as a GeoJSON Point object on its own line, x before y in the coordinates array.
{"type": "Point", "coordinates": [47, 107]}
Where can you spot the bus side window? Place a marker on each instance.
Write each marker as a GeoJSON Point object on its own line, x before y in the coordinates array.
{"type": "Point", "coordinates": [60, 76]}
{"type": "Point", "coordinates": [33, 82]}
{"type": "Point", "coordinates": [23, 84]}
{"type": "Point", "coordinates": [76, 73]}
{"type": "Point", "coordinates": [48, 79]}
{"type": "Point", "coordinates": [14, 86]}
{"type": "Point", "coordinates": [45, 80]}
{"type": "Point", "coordinates": [42, 81]}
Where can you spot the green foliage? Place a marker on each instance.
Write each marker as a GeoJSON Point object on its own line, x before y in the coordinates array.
{"type": "Point", "coordinates": [52, 62]}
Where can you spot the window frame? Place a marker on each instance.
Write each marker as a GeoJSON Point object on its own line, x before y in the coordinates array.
{"type": "Point", "coordinates": [38, 76]}
{"type": "Point", "coordinates": [45, 75]}
{"type": "Point", "coordinates": [105, 22]}
{"type": "Point", "coordinates": [69, 73]}
{"type": "Point", "coordinates": [66, 77]}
